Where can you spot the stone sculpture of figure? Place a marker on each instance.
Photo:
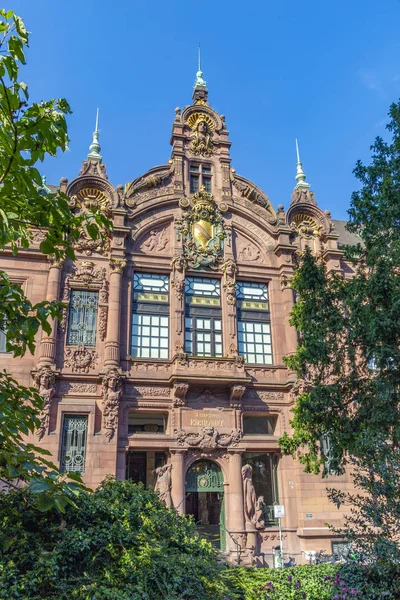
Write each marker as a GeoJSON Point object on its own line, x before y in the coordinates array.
{"type": "Point", "coordinates": [259, 513]}
{"type": "Point", "coordinates": [163, 484]}
{"type": "Point", "coordinates": [112, 388]}
{"type": "Point", "coordinates": [45, 380]}
{"type": "Point", "coordinates": [201, 139]}
{"type": "Point", "coordinates": [249, 495]}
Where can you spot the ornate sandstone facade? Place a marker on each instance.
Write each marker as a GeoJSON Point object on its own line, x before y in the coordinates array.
{"type": "Point", "coordinates": [166, 366]}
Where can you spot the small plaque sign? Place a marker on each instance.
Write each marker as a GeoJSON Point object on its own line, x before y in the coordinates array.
{"type": "Point", "coordinates": [308, 516]}
{"type": "Point", "coordinates": [279, 511]}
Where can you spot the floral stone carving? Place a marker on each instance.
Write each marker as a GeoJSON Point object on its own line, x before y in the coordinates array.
{"type": "Point", "coordinates": [111, 392]}
{"type": "Point", "coordinates": [45, 382]}
{"type": "Point", "coordinates": [203, 231]}
{"type": "Point", "coordinates": [80, 359]}
{"type": "Point", "coordinates": [208, 438]}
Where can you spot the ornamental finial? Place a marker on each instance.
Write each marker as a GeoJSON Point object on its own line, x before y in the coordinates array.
{"type": "Point", "coordinates": [199, 81]}
{"type": "Point", "coordinates": [94, 147]}
{"type": "Point", "coordinates": [300, 175]}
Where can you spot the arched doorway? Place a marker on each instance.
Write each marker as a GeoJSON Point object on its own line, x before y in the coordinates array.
{"type": "Point", "coordinates": [204, 486]}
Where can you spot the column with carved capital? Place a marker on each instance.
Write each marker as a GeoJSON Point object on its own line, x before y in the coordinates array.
{"type": "Point", "coordinates": [228, 294]}
{"type": "Point", "coordinates": [112, 346]}
{"type": "Point", "coordinates": [48, 342]}
{"type": "Point", "coordinates": [178, 480]}
{"type": "Point", "coordinates": [235, 500]}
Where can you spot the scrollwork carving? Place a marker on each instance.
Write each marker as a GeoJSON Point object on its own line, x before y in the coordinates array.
{"type": "Point", "coordinates": [208, 438]}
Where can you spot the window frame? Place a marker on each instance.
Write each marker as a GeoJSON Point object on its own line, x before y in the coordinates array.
{"type": "Point", "coordinates": [71, 308]}
{"type": "Point", "coordinates": [203, 305]}
{"type": "Point", "coordinates": [203, 174]}
{"type": "Point", "coordinates": [150, 304]}
{"type": "Point", "coordinates": [63, 447]}
{"type": "Point", "coordinates": [253, 312]}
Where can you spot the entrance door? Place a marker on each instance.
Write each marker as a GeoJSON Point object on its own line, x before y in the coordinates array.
{"type": "Point", "coordinates": [205, 500]}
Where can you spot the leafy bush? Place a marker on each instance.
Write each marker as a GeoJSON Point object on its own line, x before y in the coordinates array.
{"type": "Point", "coordinates": [324, 582]}
{"type": "Point", "coordinates": [120, 543]}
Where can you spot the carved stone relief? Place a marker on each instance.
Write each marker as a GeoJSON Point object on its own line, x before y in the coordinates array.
{"type": "Point", "coordinates": [80, 359]}
{"type": "Point", "coordinates": [209, 437]}
{"type": "Point", "coordinates": [65, 387]}
{"type": "Point", "coordinates": [147, 391]}
{"type": "Point", "coordinates": [201, 140]}
{"type": "Point", "coordinates": [156, 241]}
{"type": "Point", "coordinates": [180, 391]}
{"type": "Point", "coordinates": [264, 395]}
{"type": "Point", "coordinates": [151, 367]}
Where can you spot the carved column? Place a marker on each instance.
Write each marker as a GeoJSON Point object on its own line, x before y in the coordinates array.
{"type": "Point", "coordinates": [48, 342]}
{"type": "Point", "coordinates": [228, 293]}
{"type": "Point", "coordinates": [178, 266]}
{"type": "Point", "coordinates": [236, 510]}
{"type": "Point", "coordinates": [178, 480]}
{"type": "Point", "coordinates": [112, 346]}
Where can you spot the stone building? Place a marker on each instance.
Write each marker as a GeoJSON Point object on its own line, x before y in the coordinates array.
{"type": "Point", "coordinates": [166, 366]}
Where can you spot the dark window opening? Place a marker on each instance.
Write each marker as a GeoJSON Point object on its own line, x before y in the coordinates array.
{"type": "Point", "coordinates": [139, 422]}
{"type": "Point", "coordinates": [140, 466]}
{"type": "Point", "coordinates": [258, 425]}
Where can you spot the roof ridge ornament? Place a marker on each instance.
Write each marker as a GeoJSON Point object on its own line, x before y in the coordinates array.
{"type": "Point", "coordinates": [199, 81]}
{"type": "Point", "coordinates": [94, 147]}
{"type": "Point", "coordinates": [300, 175]}
{"type": "Point", "coordinates": [200, 92]}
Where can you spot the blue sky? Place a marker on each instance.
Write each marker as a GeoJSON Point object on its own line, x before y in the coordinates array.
{"type": "Point", "coordinates": [324, 72]}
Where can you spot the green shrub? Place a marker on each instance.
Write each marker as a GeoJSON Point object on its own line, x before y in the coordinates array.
{"type": "Point", "coordinates": [351, 581]}
{"type": "Point", "coordinates": [120, 543]}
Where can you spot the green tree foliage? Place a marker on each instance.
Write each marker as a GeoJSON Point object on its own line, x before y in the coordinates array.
{"type": "Point", "coordinates": [28, 132]}
{"type": "Point", "coordinates": [120, 543]}
{"type": "Point", "coordinates": [348, 357]}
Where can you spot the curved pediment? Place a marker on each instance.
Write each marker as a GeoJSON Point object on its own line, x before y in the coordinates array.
{"type": "Point", "coordinates": [246, 189]}
{"type": "Point", "coordinates": [156, 177]}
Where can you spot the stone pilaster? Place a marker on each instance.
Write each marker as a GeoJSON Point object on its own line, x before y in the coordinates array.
{"type": "Point", "coordinates": [235, 495]}
{"type": "Point", "coordinates": [178, 480]}
{"type": "Point", "coordinates": [112, 346]}
{"type": "Point", "coordinates": [48, 342]}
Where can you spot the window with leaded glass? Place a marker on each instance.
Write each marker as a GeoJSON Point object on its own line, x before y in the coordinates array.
{"type": "Point", "coordinates": [150, 316]}
{"type": "Point", "coordinates": [82, 320]}
{"type": "Point", "coordinates": [254, 327]}
{"type": "Point", "coordinates": [73, 443]}
{"type": "Point", "coordinates": [264, 476]}
{"type": "Point", "coordinates": [203, 323]}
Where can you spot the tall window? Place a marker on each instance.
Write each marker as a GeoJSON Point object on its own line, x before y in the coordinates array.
{"type": "Point", "coordinates": [200, 175]}
{"type": "Point", "coordinates": [73, 448]}
{"type": "Point", "coordinates": [254, 326]}
{"type": "Point", "coordinates": [150, 316]}
{"type": "Point", "coordinates": [82, 319]}
{"type": "Point", "coordinates": [203, 324]}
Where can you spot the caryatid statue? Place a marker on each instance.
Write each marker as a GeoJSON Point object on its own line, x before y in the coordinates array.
{"type": "Point", "coordinates": [163, 484]}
